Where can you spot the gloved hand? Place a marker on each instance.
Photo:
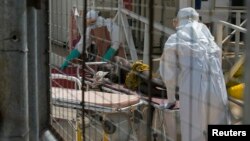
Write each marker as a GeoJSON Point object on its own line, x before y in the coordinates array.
{"type": "Point", "coordinates": [64, 65]}
{"type": "Point", "coordinates": [109, 54]}
{"type": "Point", "coordinates": [169, 105]}
{"type": "Point", "coordinates": [73, 54]}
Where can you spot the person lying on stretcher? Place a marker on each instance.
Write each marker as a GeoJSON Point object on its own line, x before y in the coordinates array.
{"type": "Point", "coordinates": [93, 20]}
{"type": "Point", "coordinates": [134, 76]}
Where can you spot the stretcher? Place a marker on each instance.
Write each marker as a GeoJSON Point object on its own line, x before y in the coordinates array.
{"type": "Point", "coordinates": [115, 109]}
{"type": "Point", "coordinates": [119, 101]}
{"type": "Point", "coordinates": [94, 100]}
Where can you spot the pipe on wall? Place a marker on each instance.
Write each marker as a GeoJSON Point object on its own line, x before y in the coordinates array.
{"type": "Point", "coordinates": [32, 74]}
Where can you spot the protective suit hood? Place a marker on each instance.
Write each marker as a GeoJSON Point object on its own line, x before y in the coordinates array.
{"type": "Point", "coordinates": [187, 15]}
{"type": "Point", "coordinates": [92, 14]}
{"type": "Point", "coordinates": [191, 33]}
{"type": "Point", "coordinates": [196, 37]}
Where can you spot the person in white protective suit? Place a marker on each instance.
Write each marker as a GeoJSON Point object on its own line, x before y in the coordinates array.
{"type": "Point", "coordinates": [191, 61]}
{"type": "Point", "coordinates": [94, 21]}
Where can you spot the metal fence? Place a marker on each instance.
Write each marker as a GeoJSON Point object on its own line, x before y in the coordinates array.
{"type": "Point", "coordinates": [142, 34]}
{"type": "Point", "coordinates": [100, 79]}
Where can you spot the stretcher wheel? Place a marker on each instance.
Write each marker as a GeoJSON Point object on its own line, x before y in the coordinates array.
{"type": "Point", "coordinates": [109, 127]}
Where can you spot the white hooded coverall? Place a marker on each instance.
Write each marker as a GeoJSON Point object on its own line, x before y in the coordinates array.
{"type": "Point", "coordinates": [192, 61]}
{"type": "Point", "coordinates": [100, 21]}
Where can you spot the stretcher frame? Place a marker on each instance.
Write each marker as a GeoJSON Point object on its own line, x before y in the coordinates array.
{"type": "Point", "coordinates": [118, 89]}
{"type": "Point", "coordinates": [103, 110]}
{"type": "Point", "coordinates": [158, 104]}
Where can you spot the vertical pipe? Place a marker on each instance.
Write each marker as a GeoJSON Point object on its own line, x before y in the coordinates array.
{"type": "Point", "coordinates": [150, 42]}
{"type": "Point", "coordinates": [135, 23]}
{"type": "Point", "coordinates": [83, 67]}
{"type": "Point", "coordinates": [119, 14]}
{"type": "Point", "coordinates": [163, 11]}
{"type": "Point", "coordinates": [144, 13]}
{"type": "Point", "coordinates": [32, 74]}
{"type": "Point", "coordinates": [129, 38]}
{"type": "Point", "coordinates": [184, 3]}
{"type": "Point", "coordinates": [43, 72]}
{"type": "Point", "coordinates": [246, 112]}
{"type": "Point", "coordinates": [219, 34]}
{"type": "Point", "coordinates": [211, 15]}
{"type": "Point", "coordinates": [138, 22]}
{"type": "Point", "coordinates": [237, 37]}
{"type": "Point", "coordinates": [146, 46]}
{"type": "Point", "coordinates": [94, 4]}
{"type": "Point", "coordinates": [13, 71]}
